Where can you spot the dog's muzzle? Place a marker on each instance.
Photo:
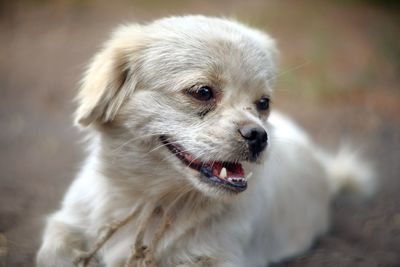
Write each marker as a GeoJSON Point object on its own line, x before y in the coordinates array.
{"type": "Point", "coordinates": [225, 175]}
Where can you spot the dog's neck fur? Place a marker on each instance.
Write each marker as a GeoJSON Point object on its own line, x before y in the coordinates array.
{"type": "Point", "coordinates": [142, 185]}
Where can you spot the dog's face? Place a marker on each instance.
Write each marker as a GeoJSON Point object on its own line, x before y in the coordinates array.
{"type": "Point", "coordinates": [183, 98]}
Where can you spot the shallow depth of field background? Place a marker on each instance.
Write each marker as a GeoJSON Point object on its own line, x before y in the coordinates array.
{"type": "Point", "coordinates": [339, 78]}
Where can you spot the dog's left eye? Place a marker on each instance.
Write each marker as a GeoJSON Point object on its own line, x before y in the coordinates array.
{"type": "Point", "coordinates": [203, 93]}
{"type": "Point", "coordinates": [263, 104]}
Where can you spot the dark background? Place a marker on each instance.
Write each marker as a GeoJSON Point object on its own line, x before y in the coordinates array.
{"type": "Point", "coordinates": [340, 73]}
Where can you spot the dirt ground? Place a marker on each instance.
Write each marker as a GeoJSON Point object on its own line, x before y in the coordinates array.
{"type": "Point", "coordinates": [340, 79]}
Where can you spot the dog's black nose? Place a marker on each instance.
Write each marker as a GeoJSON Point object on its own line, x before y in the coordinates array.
{"type": "Point", "coordinates": [256, 137]}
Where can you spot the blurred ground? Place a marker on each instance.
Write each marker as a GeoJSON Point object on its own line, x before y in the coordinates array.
{"type": "Point", "coordinates": [340, 74]}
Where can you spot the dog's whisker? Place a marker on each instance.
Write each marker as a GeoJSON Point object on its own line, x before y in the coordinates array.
{"type": "Point", "coordinates": [198, 125]}
{"type": "Point", "coordinates": [294, 68]}
{"type": "Point", "coordinates": [174, 154]}
{"type": "Point", "coordinates": [201, 154]}
{"type": "Point", "coordinates": [132, 140]}
{"type": "Point", "coordinates": [290, 69]}
{"type": "Point", "coordinates": [166, 144]}
{"type": "Point", "coordinates": [152, 150]}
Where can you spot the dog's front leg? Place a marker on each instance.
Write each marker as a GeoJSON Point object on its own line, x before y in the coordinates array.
{"type": "Point", "coordinates": [62, 244]}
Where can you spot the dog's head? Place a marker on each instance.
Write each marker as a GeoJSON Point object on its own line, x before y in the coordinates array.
{"type": "Point", "coordinates": [183, 99]}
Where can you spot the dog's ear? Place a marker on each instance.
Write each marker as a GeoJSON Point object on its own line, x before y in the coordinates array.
{"type": "Point", "coordinates": [109, 77]}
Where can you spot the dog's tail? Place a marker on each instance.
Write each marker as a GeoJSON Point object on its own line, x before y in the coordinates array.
{"type": "Point", "coordinates": [348, 172]}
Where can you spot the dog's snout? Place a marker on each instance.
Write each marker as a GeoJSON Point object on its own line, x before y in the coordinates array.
{"type": "Point", "coordinates": [256, 137]}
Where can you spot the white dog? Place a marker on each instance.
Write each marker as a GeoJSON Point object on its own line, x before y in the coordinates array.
{"type": "Point", "coordinates": [178, 115]}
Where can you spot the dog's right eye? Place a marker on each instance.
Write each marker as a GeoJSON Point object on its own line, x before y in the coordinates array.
{"type": "Point", "coordinates": [203, 93]}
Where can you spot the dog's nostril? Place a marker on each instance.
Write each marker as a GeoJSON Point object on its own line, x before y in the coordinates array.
{"type": "Point", "coordinates": [253, 135]}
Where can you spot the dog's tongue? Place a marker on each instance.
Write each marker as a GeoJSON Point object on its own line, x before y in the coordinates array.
{"type": "Point", "coordinates": [224, 170]}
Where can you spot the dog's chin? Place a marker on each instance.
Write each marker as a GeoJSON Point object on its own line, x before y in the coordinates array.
{"type": "Point", "coordinates": [213, 178]}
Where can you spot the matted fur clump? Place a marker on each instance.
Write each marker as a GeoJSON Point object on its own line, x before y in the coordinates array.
{"type": "Point", "coordinates": [178, 116]}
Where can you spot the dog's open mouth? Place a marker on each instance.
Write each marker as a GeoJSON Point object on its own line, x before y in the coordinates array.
{"type": "Point", "coordinates": [227, 175]}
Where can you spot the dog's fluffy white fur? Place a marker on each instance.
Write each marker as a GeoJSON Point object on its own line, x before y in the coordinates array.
{"type": "Point", "coordinates": [134, 92]}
